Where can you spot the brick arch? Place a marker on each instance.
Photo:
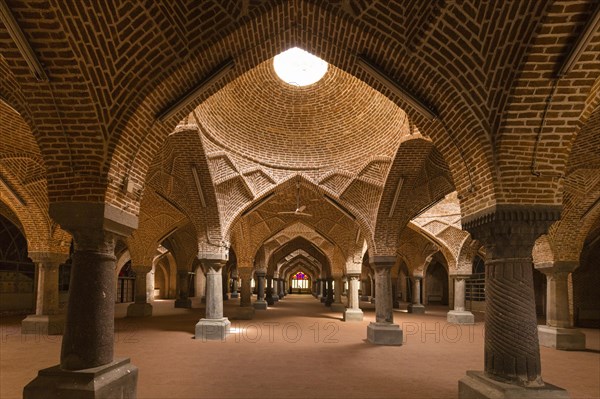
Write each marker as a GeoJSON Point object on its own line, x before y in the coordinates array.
{"type": "Point", "coordinates": [581, 192]}
{"type": "Point", "coordinates": [417, 178]}
{"type": "Point", "coordinates": [310, 28]}
{"type": "Point", "coordinates": [304, 244]}
{"type": "Point", "coordinates": [545, 112]}
{"type": "Point", "coordinates": [296, 263]}
{"type": "Point", "coordinates": [253, 226]}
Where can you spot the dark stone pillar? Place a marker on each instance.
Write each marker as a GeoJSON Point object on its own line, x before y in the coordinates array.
{"type": "Point", "coordinates": [234, 285]}
{"type": "Point", "coordinates": [260, 303]}
{"type": "Point", "coordinates": [87, 367]}
{"type": "Point", "coordinates": [512, 354]}
{"type": "Point", "coordinates": [329, 291]}
{"type": "Point", "coordinates": [383, 331]}
{"type": "Point", "coordinates": [183, 290]}
{"type": "Point", "coordinates": [141, 307]}
{"type": "Point", "coordinates": [270, 300]}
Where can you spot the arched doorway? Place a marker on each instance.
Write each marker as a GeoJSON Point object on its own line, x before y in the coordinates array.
{"type": "Point", "coordinates": [17, 272]}
{"type": "Point", "coordinates": [436, 287]}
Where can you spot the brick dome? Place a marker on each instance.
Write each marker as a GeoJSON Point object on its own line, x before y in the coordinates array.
{"type": "Point", "coordinates": [337, 122]}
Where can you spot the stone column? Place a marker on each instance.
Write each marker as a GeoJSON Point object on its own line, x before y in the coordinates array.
{"type": "Point", "coordinates": [183, 290]}
{"type": "Point", "coordinates": [383, 331]}
{"type": "Point", "coordinates": [246, 310]}
{"type": "Point", "coordinates": [329, 292]}
{"type": "Point", "coordinates": [337, 305]}
{"type": "Point", "coordinates": [213, 325]}
{"type": "Point", "coordinates": [87, 364]}
{"type": "Point", "coordinates": [512, 353]}
{"type": "Point", "coordinates": [260, 303]}
{"type": "Point", "coordinates": [353, 313]}
{"type": "Point", "coordinates": [395, 301]}
{"type": "Point", "coordinates": [459, 315]}
{"type": "Point", "coordinates": [141, 307]}
{"type": "Point", "coordinates": [558, 332]}
{"type": "Point", "coordinates": [275, 291]}
{"type": "Point", "coordinates": [269, 290]}
{"type": "Point", "coordinates": [48, 319]}
{"type": "Point", "coordinates": [323, 290]}
{"type": "Point", "coordinates": [416, 306]}
{"type": "Point", "coordinates": [234, 289]}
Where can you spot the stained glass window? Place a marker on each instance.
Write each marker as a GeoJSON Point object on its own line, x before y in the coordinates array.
{"type": "Point", "coordinates": [300, 280]}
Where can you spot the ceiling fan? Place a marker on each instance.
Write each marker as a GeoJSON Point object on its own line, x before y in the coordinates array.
{"type": "Point", "coordinates": [299, 209]}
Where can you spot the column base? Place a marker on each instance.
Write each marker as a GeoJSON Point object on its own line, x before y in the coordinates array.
{"type": "Point", "coordinates": [234, 295]}
{"type": "Point", "coordinates": [139, 310]}
{"type": "Point", "coordinates": [323, 299]}
{"type": "Point", "coordinates": [183, 303]}
{"type": "Point", "coordinates": [365, 298]}
{"type": "Point", "coordinates": [212, 329]}
{"type": "Point", "coordinates": [477, 386]}
{"type": "Point", "coordinates": [338, 307]}
{"type": "Point", "coordinates": [372, 300]}
{"type": "Point", "coordinates": [260, 305]}
{"type": "Point", "coordinates": [561, 338]}
{"type": "Point", "coordinates": [384, 334]}
{"type": "Point", "coordinates": [270, 301]}
{"type": "Point", "coordinates": [396, 305]}
{"type": "Point", "coordinates": [244, 313]}
{"type": "Point", "coordinates": [43, 324]}
{"type": "Point", "coordinates": [416, 308]}
{"type": "Point", "coordinates": [353, 315]}
{"type": "Point", "coordinates": [225, 297]}
{"type": "Point", "coordinates": [275, 298]}
{"type": "Point", "coordinates": [114, 380]}
{"type": "Point", "coordinates": [460, 317]}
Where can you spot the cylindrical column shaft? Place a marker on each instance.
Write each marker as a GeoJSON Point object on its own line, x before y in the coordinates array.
{"type": "Point", "coordinates": [261, 286]}
{"type": "Point", "coordinates": [246, 297]}
{"type": "Point", "coordinates": [558, 300]}
{"type": "Point", "coordinates": [417, 290]}
{"type": "Point", "coordinates": [214, 291]}
{"type": "Point", "coordinates": [459, 293]}
{"type": "Point", "coordinates": [47, 289]}
{"type": "Point", "coordinates": [511, 337]}
{"type": "Point", "coordinates": [383, 291]}
{"type": "Point", "coordinates": [89, 331]}
{"type": "Point", "coordinates": [354, 281]}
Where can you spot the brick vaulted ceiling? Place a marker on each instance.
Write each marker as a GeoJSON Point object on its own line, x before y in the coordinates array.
{"type": "Point", "coordinates": [486, 68]}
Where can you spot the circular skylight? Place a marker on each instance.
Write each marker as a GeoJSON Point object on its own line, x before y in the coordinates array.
{"type": "Point", "coordinates": [298, 67]}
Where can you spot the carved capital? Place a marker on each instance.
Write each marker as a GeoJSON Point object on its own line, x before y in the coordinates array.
{"type": "Point", "coordinates": [213, 266]}
{"type": "Point", "coordinates": [510, 231]}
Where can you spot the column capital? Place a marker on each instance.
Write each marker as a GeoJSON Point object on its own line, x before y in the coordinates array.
{"type": "Point", "coordinates": [95, 216]}
{"type": "Point", "coordinates": [212, 265]}
{"type": "Point", "coordinates": [47, 258]}
{"type": "Point", "coordinates": [260, 272]}
{"type": "Point", "coordinates": [561, 266]}
{"type": "Point", "coordinates": [382, 262]}
{"type": "Point", "coordinates": [510, 230]}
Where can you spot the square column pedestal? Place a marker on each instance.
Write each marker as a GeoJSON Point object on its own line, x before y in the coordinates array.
{"type": "Point", "coordinates": [212, 329]}
{"type": "Point", "coordinates": [561, 338]}
{"type": "Point", "coordinates": [353, 315]}
{"type": "Point", "coordinates": [415, 308]}
{"type": "Point", "coordinates": [460, 317]}
{"type": "Point", "coordinates": [114, 380]}
{"type": "Point", "coordinates": [477, 386]}
{"type": "Point", "coordinates": [139, 310]}
{"type": "Point", "coordinates": [43, 324]}
{"type": "Point", "coordinates": [384, 334]}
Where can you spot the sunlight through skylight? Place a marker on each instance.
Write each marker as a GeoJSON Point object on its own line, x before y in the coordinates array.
{"type": "Point", "coordinates": [298, 67]}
